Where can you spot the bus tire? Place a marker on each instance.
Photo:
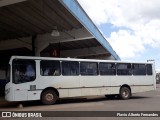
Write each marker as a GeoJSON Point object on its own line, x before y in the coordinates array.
{"type": "Point", "coordinates": [49, 97]}
{"type": "Point", "coordinates": [125, 93]}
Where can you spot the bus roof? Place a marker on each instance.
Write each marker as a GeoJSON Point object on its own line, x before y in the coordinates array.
{"type": "Point", "coordinates": [74, 59]}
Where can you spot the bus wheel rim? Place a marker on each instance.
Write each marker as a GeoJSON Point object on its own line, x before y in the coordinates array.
{"type": "Point", "coordinates": [125, 93]}
{"type": "Point", "coordinates": [49, 97]}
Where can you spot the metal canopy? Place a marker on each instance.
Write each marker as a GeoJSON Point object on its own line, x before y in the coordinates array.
{"type": "Point", "coordinates": [35, 17]}
{"type": "Point", "coordinates": [22, 20]}
{"type": "Point", "coordinates": [89, 48]}
{"type": "Point", "coordinates": [74, 7]}
{"type": "Point", "coordinates": [72, 45]}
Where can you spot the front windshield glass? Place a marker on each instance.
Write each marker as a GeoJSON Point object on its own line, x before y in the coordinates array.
{"type": "Point", "coordinates": [23, 71]}
{"type": "Point", "coordinates": [8, 74]}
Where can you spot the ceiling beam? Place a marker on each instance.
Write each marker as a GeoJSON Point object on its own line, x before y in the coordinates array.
{"type": "Point", "coordinates": [9, 2]}
{"type": "Point", "coordinates": [84, 51]}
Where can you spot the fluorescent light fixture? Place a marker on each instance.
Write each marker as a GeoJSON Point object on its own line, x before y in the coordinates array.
{"type": "Point", "coordinates": [55, 32]}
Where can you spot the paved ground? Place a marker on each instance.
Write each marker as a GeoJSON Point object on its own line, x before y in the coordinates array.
{"type": "Point", "coordinates": [147, 101]}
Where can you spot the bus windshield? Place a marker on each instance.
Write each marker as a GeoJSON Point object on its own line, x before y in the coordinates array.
{"type": "Point", "coordinates": [8, 74]}
{"type": "Point", "coordinates": [23, 71]}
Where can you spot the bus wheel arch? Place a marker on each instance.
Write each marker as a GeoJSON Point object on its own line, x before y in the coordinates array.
{"type": "Point", "coordinates": [125, 92]}
{"type": "Point", "coordinates": [49, 96]}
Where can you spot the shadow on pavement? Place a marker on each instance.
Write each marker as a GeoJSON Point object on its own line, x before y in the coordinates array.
{"type": "Point", "coordinates": [65, 101]}
{"type": "Point", "coordinates": [139, 97]}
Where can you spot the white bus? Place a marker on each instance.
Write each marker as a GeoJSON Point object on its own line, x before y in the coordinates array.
{"type": "Point", "coordinates": [48, 79]}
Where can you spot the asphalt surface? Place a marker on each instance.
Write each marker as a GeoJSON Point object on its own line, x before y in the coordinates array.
{"type": "Point", "coordinates": [146, 101]}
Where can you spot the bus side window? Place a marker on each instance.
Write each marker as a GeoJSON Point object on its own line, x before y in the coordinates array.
{"type": "Point", "coordinates": [50, 68]}
{"type": "Point", "coordinates": [149, 69]}
{"type": "Point", "coordinates": [124, 69]}
{"type": "Point", "coordinates": [139, 69]}
{"type": "Point", "coordinates": [107, 68]}
{"type": "Point", "coordinates": [70, 68]}
{"type": "Point", "coordinates": [89, 68]}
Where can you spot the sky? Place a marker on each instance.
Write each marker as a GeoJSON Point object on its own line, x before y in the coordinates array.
{"type": "Point", "coordinates": [132, 27]}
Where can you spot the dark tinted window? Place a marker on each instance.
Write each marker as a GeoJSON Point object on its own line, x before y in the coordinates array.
{"type": "Point", "coordinates": [8, 74]}
{"type": "Point", "coordinates": [88, 68]}
{"type": "Point", "coordinates": [124, 69]}
{"type": "Point", "coordinates": [24, 71]}
{"type": "Point", "coordinates": [70, 68]}
{"type": "Point", "coordinates": [139, 69]}
{"type": "Point", "coordinates": [50, 68]}
{"type": "Point", "coordinates": [149, 69]}
{"type": "Point", "coordinates": [107, 68]}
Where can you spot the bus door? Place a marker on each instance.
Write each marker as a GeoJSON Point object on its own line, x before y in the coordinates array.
{"type": "Point", "coordinates": [24, 73]}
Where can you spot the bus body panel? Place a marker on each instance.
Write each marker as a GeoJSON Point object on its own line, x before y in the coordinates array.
{"type": "Point", "coordinates": [62, 84]}
{"type": "Point", "coordinates": [9, 93]}
{"type": "Point", "coordinates": [137, 89]}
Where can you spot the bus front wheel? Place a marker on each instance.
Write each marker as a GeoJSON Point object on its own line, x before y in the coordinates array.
{"type": "Point", "coordinates": [125, 93]}
{"type": "Point", "coordinates": [49, 97]}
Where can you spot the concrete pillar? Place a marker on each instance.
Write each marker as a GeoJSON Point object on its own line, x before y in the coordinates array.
{"type": "Point", "coordinates": [33, 45]}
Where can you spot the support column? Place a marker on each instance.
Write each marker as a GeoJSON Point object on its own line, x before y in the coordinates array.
{"type": "Point", "coordinates": [33, 45]}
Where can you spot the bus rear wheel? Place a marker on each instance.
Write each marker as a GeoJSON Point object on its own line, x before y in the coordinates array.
{"type": "Point", "coordinates": [49, 97]}
{"type": "Point", "coordinates": [125, 93]}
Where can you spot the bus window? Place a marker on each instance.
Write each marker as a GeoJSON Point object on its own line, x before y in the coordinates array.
{"type": "Point", "coordinates": [139, 69]}
{"type": "Point", "coordinates": [70, 68]}
{"type": "Point", "coordinates": [149, 69]}
{"type": "Point", "coordinates": [107, 68]}
{"type": "Point", "coordinates": [24, 71]}
{"type": "Point", "coordinates": [88, 68]}
{"type": "Point", "coordinates": [124, 69]}
{"type": "Point", "coordinates": [50, 68]}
